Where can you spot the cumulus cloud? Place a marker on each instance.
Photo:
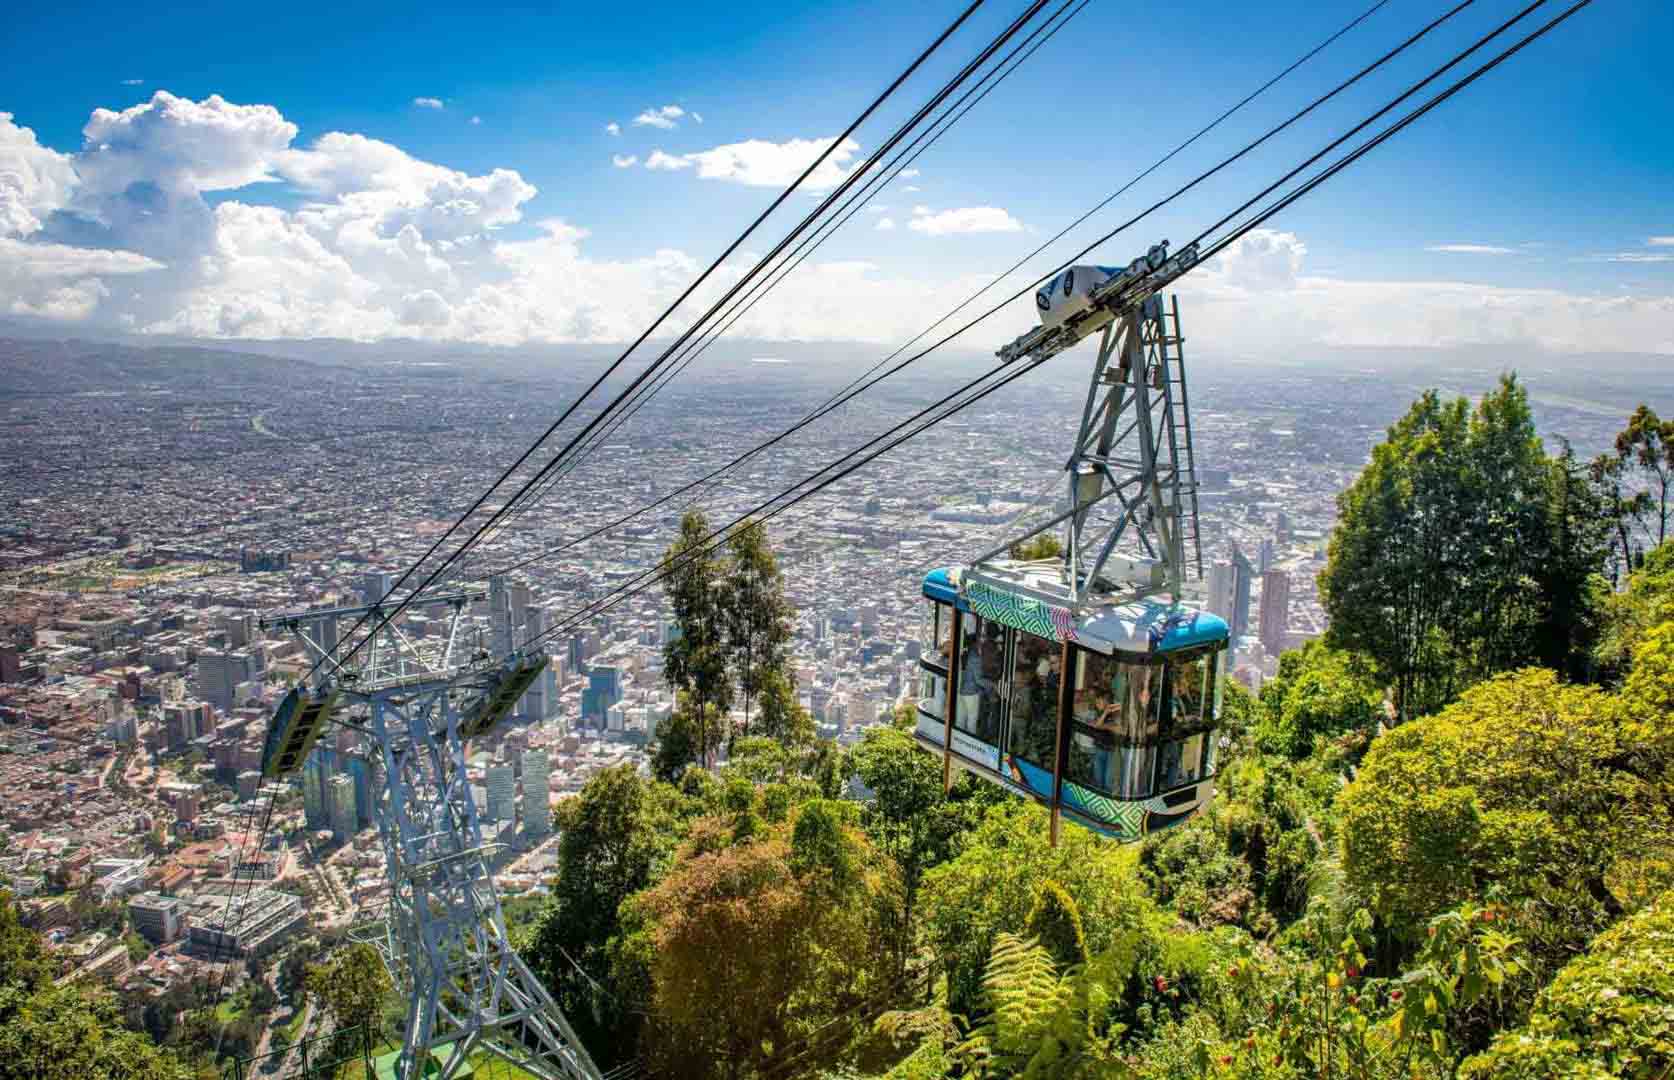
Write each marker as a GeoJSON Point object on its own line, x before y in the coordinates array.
{"type": "Point", "coordinates": [427, 102]}
{"type": "Point", "coordinates": [885, 224]}
{"type": "Point", "coordinates": [965, 219]}
{"type": "Point", "coordinates": [210, 219]}
{"type": "Point", "coordinates": [665, 117]}
{"type": "Point", "coordinates": [760, 163]}
{"type": "Point", "coordinates": [1256, 298]}
{"type": "Point", "coordinates": [624, 161]}
{"type": "Point", "coordinates": [34, 180]}
{"type": "Point", "coordinates": [613, 128]}
{"type": "Point", "coordinates": [668, 162]}
{"type": "Point", "coordinates": [1471, 249]}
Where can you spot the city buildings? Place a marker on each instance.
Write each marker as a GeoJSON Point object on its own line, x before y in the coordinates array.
{"type": "Point", "coordinates": [340, 800]}
{"type": "Point", "coordinates": [500, 784]}
{"type": "Point", "coordinates": [160, 918]}
{"type": "Point", "coordinates": [1275, 610]}
{"type": "Point", "coordinates": [537, 786]}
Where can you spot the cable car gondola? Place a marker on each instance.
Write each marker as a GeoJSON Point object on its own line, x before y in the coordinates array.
{"type": "Point", "coordinates": [1108, 719]}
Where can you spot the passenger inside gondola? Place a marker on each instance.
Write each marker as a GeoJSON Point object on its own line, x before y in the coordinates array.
{"type": "Point", "coordinates": [1034, 699]}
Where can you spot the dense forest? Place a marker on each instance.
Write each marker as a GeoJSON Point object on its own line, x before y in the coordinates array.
{"type": "Point", "coordinates": [1441, 844]}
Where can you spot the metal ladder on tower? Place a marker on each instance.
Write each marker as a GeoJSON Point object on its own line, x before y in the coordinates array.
{"type": "Point", "coordinates": [1181, 454]}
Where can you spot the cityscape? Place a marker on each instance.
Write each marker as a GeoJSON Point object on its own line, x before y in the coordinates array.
{"type": "Point", "coordinates": [169, 504]}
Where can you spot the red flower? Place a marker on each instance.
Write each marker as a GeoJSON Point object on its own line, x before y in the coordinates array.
{"type": "Point", "coordinates": [1160, 983]}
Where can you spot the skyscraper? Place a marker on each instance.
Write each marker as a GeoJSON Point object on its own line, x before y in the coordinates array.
{"type": "Point", "coordinates": [604, 689]}
{"type": "Point", "coordinates": [220, 673]}
{"type": "Point", "coordinates": [1275, 610]}
{"type": "Point", "coordinates": [316, 775]}
{"type": "Point", "coordinates": [501, 785]}
{"type": "Point", "coordinates": [537, 786]}
{"type": "Point", "coordinates": [340, 794]}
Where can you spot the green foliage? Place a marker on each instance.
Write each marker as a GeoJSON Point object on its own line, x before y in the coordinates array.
{"type": "Point", "coordinates": [1609, 1012]}
{"type": "Point", "coordinates": [615, 837]}
{"type": "Point", "coordinates": [1647, 602]}
{"type": "Point", "coordinates": [1442, 546]}
{"type": "Point", "coordinates": [1319, 693]}
{"type": "Point", "coordinates": [690, 734]}
{"type": "Point", "coordinates": [1055, 922]}
{"type": "Point", "coordinates": [1322, 1012]}
{"type": "Point", "coordinates": [1042, 546]}
{"type": "Point", "coordinates": [695, 659]}
{"type": "Point", "coordinates": [1525, 786]}
{"type": "Point", "coordinates": [751, 943]}
{"type": "Point", "coordinates": [757, 619]}
{"type": "Point", "coordinates": [351, 985]}
{"type": "Point", "coordinates": [72, 1033]}
{"type": "Point", "coordinates": [990, 887]}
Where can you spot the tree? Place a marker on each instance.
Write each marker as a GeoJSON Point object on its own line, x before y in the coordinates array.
{"type": "Point", "coordinates": [782, 716]}
{"type": "Point", "coordinates": [688, 735]}
{"type": "Point", "coordinates": [1318, 692]}
{"type": "Point", "coordinates": [755, 943]}
{"type": "Point", "coordinates": [758, 616]}
{"type": "Point", "coordinates": [73, 1033]}
{"type": "Point", "coordinates": [1041, 546]}
{"type": "Point", "coordinates": [351, 986]}
{"type": "Point", "coordinates": [613, 837]}
{"type": "Point", "coordinates": [1442, 546]}
{"type": "Point", "coordinates": [695, 657]}
{"type": "Point", "coordinates": [25, 964]}
{"type": "Point", "coordinates": [1646, 448]}
{"type": "Point", "coordinates": [1394, 561]}
{"type": "Point", "coordinates": [1607, 1013]}
{"type": "Point", "coordinates": [1527, 788]}
{"type": "Point", "coordinates": [1570, 576]}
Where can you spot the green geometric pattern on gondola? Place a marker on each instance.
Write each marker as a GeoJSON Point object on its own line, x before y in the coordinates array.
{"type": "Point", "coordinates": [1129, 816]}
{"type": "Point", "coordinates": [1020, 612]}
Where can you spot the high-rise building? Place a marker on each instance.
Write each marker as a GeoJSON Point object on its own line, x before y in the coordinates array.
{"type": "Point", "coordinates": [1275, 610]}
{"type": "Point", "coordinates": [240, 628]}
{"type": "Point", "coordinates": [1267, 555]}
{"type": "Point", "coordinates": [184, 721]}
{"type": "Point", "coordinates": [500, 784]}
{"type": "Point", "coordinates": [376, 584]}
{"type": "Point", "coordinates": [604, 689]}
{"type": "Point", "coordinates": [221, 673]}
{"type": "Point", "coordinates": [360, 771]}
{"type": "Point", "coordinates": [537, 787]}
{"type": "Point", "coordinates": [340, 796]}
{"type": "Point", "coordinates": [317, 772]}
{"type": "Point", "coordinates": [1229, 592]}
{"type": "Point", "coordinates": [159, 918]}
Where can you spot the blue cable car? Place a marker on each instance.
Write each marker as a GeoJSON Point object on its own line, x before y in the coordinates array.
{"type": "Point", "coordinates": [1107, 718]}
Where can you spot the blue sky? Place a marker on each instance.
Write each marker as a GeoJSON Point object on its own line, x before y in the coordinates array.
{"type": "Point", "coordinates": [1551, 176]}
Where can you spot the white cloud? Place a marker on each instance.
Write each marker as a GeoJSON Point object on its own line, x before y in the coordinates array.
{"type": "Point", "coordinates": [885, 224]}
{"type": "Point", "coordinates": [475, 120]}
{"type": "Point", "coordinates": [34, 180]}
{"type": "Point", "coordinates": [427, 102]}
{"type": "Point", "coordinates": [907, 174]}
{"type": "Point", "coordinates": [759, 163]}
{"type": "Point", "coordinates": [1471, 249]}
{"type": "Point", "coordinates": [624, 161]}
{"type": "Point", "coordinates": [613, 128]}
{"type": "Point", "coordinates": [910, 188]}
{"type": "Point", "coordinates": [1660, 241]}
{"type": "Point", "coordinates": [877, 208]}
{"type": "Point", "coordinates": [965, 219]}
{"type": "Point", "coordinates": [697, 118]}
{"type": "Point", "coordinates": [668, 162]}
{"type": "Point", "coordinates": [1640, 257]}
{"type": "Point", "coordinates": [664, 117]}
{"type": "Point", "coordinates": [133, 82]}
{"type": "Point", "coordinates": [1254, 300]}
{"type": "Point", "coordinates": [369, 242]}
